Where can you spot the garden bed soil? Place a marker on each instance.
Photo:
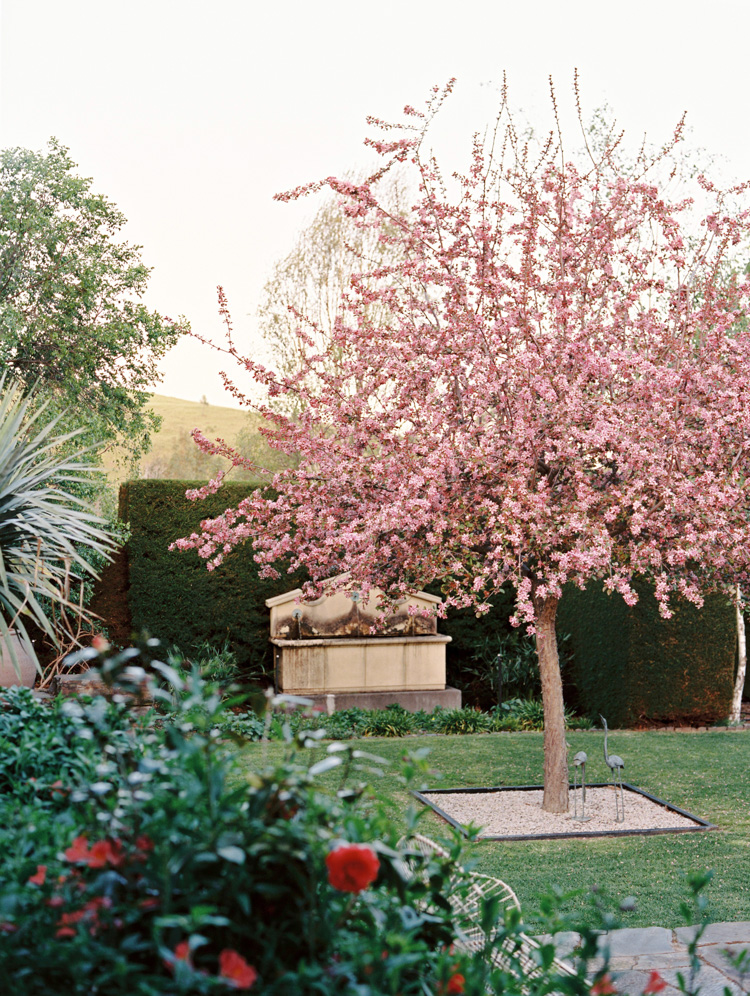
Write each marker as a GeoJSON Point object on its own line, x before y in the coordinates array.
{"type": "Point", "coordinates": [515, 813]}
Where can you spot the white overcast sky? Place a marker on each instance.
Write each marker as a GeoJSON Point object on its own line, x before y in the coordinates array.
{"type": "Point", "coordinates": [191, 115]}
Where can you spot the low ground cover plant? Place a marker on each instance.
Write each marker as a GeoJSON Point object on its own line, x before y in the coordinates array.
{"type": "Point", "coordinates": [395, 721]}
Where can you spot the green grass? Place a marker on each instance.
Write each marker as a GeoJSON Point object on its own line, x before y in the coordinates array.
{"type": "Point", "coordinates": [708, 774]}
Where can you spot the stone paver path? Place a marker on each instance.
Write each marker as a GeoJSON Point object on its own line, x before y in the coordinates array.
{"type": "Point", "coordinates": [636, 952]}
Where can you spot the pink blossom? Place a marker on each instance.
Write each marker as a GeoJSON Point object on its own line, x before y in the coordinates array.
{"type": "Point", "coordinates": [559, 394]}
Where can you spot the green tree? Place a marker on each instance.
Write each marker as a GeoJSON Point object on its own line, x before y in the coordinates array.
{"type": "Point", "coordinates": [71, 314]}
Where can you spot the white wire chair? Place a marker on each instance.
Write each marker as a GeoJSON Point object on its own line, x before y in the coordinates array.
{"type": "Point", "coordinates": [516, 953]}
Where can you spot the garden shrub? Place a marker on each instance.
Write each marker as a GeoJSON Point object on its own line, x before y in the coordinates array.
{"type": "Point", "coordinates": [631, 665]}
{"type": "Point", "coordinates": [173, 595]}
{"type": "Point", "coordinates": [395, 721]}
{"type": "Point", "coordinates": [164, 868]}
{"type": "Point", "coordinates": [459, 721]}
{"type": "Point", "coordinates": [509, 655]}
{"type": "Point", "coordinates": [41, 745]}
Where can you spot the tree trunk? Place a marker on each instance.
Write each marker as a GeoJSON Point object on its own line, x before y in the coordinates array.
{"type": "Point", "coordinates": [555, 748]}
{"type": "Point", "coordinates": [739, 684]}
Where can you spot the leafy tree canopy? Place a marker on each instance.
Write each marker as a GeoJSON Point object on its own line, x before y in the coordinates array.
{"type": "Point", "coordinates": [71, 315]}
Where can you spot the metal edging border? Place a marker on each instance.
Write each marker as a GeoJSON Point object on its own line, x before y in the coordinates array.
{"type": "Point", "coordinates": [701, 823]}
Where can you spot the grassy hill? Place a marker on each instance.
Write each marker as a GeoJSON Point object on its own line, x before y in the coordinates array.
{"type": "Point", "coordinates": [173, 453]}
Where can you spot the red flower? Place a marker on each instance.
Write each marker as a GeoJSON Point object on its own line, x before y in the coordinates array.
{"type": "Point", "coordinates": [39, 877]}
{"type": "Point", "coordinates": [78, 850]}
{"type": "Point", "coordinates": [99, 855]}
{"type": "Point", "coordinates": [66, 921]}
{"type": "Point", "coordinates": [180, 953]}
{"type": "Point", "coordinates": [655, 984]}
{"type": "Point", "coordinates": [352, 867]}
{"type": "Point", "coordinates": [88, 913]}
{"type": "Point", "coordinates": [603, 986]}
{"type": "Point", "coordinates": [105, 852]}
{"type": "Point", "coordinates": [235, 970]}
{"type": "Point", "coordinates": [144, 846]}
{"type": "Point", "coordinates": [8, 928]}
{"type": "Point", "coordinates": [55, 901]}
{"type": "Point", "coordinates": [456, 983]}
{"type": "Point", "coordinates": [98, 903]}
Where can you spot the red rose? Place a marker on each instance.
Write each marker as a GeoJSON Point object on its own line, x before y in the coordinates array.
{"type": "Point", "coordinates": [655, 984]}
{"type": "Point", "coordinates": [39, 877]}
{"type": "Point", "coordinates": [352, 867]}
{"type": "Point", "coordinates": [235, 970]}
{"type": "Point", "coordinates": [105, 852]}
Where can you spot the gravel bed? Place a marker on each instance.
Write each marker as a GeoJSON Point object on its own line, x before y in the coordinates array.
{"type": "Point", "coordinates": [520, 812]}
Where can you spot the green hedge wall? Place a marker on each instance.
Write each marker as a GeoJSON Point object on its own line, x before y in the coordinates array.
{"type": "Point", "coordinates": [172, 595]}
{"type": "Point", "coordinates": [629, 664]}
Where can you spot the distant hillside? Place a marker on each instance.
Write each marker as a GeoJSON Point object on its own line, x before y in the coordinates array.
{"type": "Point", "coordinates": [173, 453]}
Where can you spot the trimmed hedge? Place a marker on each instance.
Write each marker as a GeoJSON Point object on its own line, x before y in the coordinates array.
{"type": "Point", "coordinates": [629, 664]}
{"type": "Point", "coordinates": [172, 594]}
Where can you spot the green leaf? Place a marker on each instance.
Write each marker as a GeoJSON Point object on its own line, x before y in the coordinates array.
{"type": "Point", "coordinates": [232, 853]}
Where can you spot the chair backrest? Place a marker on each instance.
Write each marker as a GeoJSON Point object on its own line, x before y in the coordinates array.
{"type": "Point", "coordinates": [517, 952]}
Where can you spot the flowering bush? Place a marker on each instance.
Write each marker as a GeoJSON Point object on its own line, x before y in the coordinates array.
{"type": "Point", "coordinates": [160, 866]}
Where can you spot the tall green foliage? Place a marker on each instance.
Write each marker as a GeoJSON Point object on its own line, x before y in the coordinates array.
{"type": "Point", "coordinates": [172, 595]}
{"type": "Point", "coordinates": [71, 314]}
{"type": "Point", "coordinates": [629, 664]}
{"type": "Point", "coordinates": [48, 536]}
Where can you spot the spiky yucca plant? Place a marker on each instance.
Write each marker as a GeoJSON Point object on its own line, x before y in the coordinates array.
{"type": "Point", "coordinates": [46, 532]}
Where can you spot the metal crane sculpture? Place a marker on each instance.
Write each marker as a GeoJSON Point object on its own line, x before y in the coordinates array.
{"type": "Point", "coordinates": [579, 761]}
{"type": "Point", "coordinates": [615, 765]}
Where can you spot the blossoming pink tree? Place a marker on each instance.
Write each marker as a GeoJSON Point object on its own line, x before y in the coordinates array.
{"type": "Point", "coordinates": [559, 393]}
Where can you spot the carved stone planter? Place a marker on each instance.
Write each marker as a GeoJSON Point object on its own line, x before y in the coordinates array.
{"type": "Point", "coordinates": [336, 646]}
{"type": "Point", "coordinates": [361, 665]}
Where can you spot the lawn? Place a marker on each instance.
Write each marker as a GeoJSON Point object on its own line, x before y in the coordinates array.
{"type": "Point", "coordinates": [707, 774]}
